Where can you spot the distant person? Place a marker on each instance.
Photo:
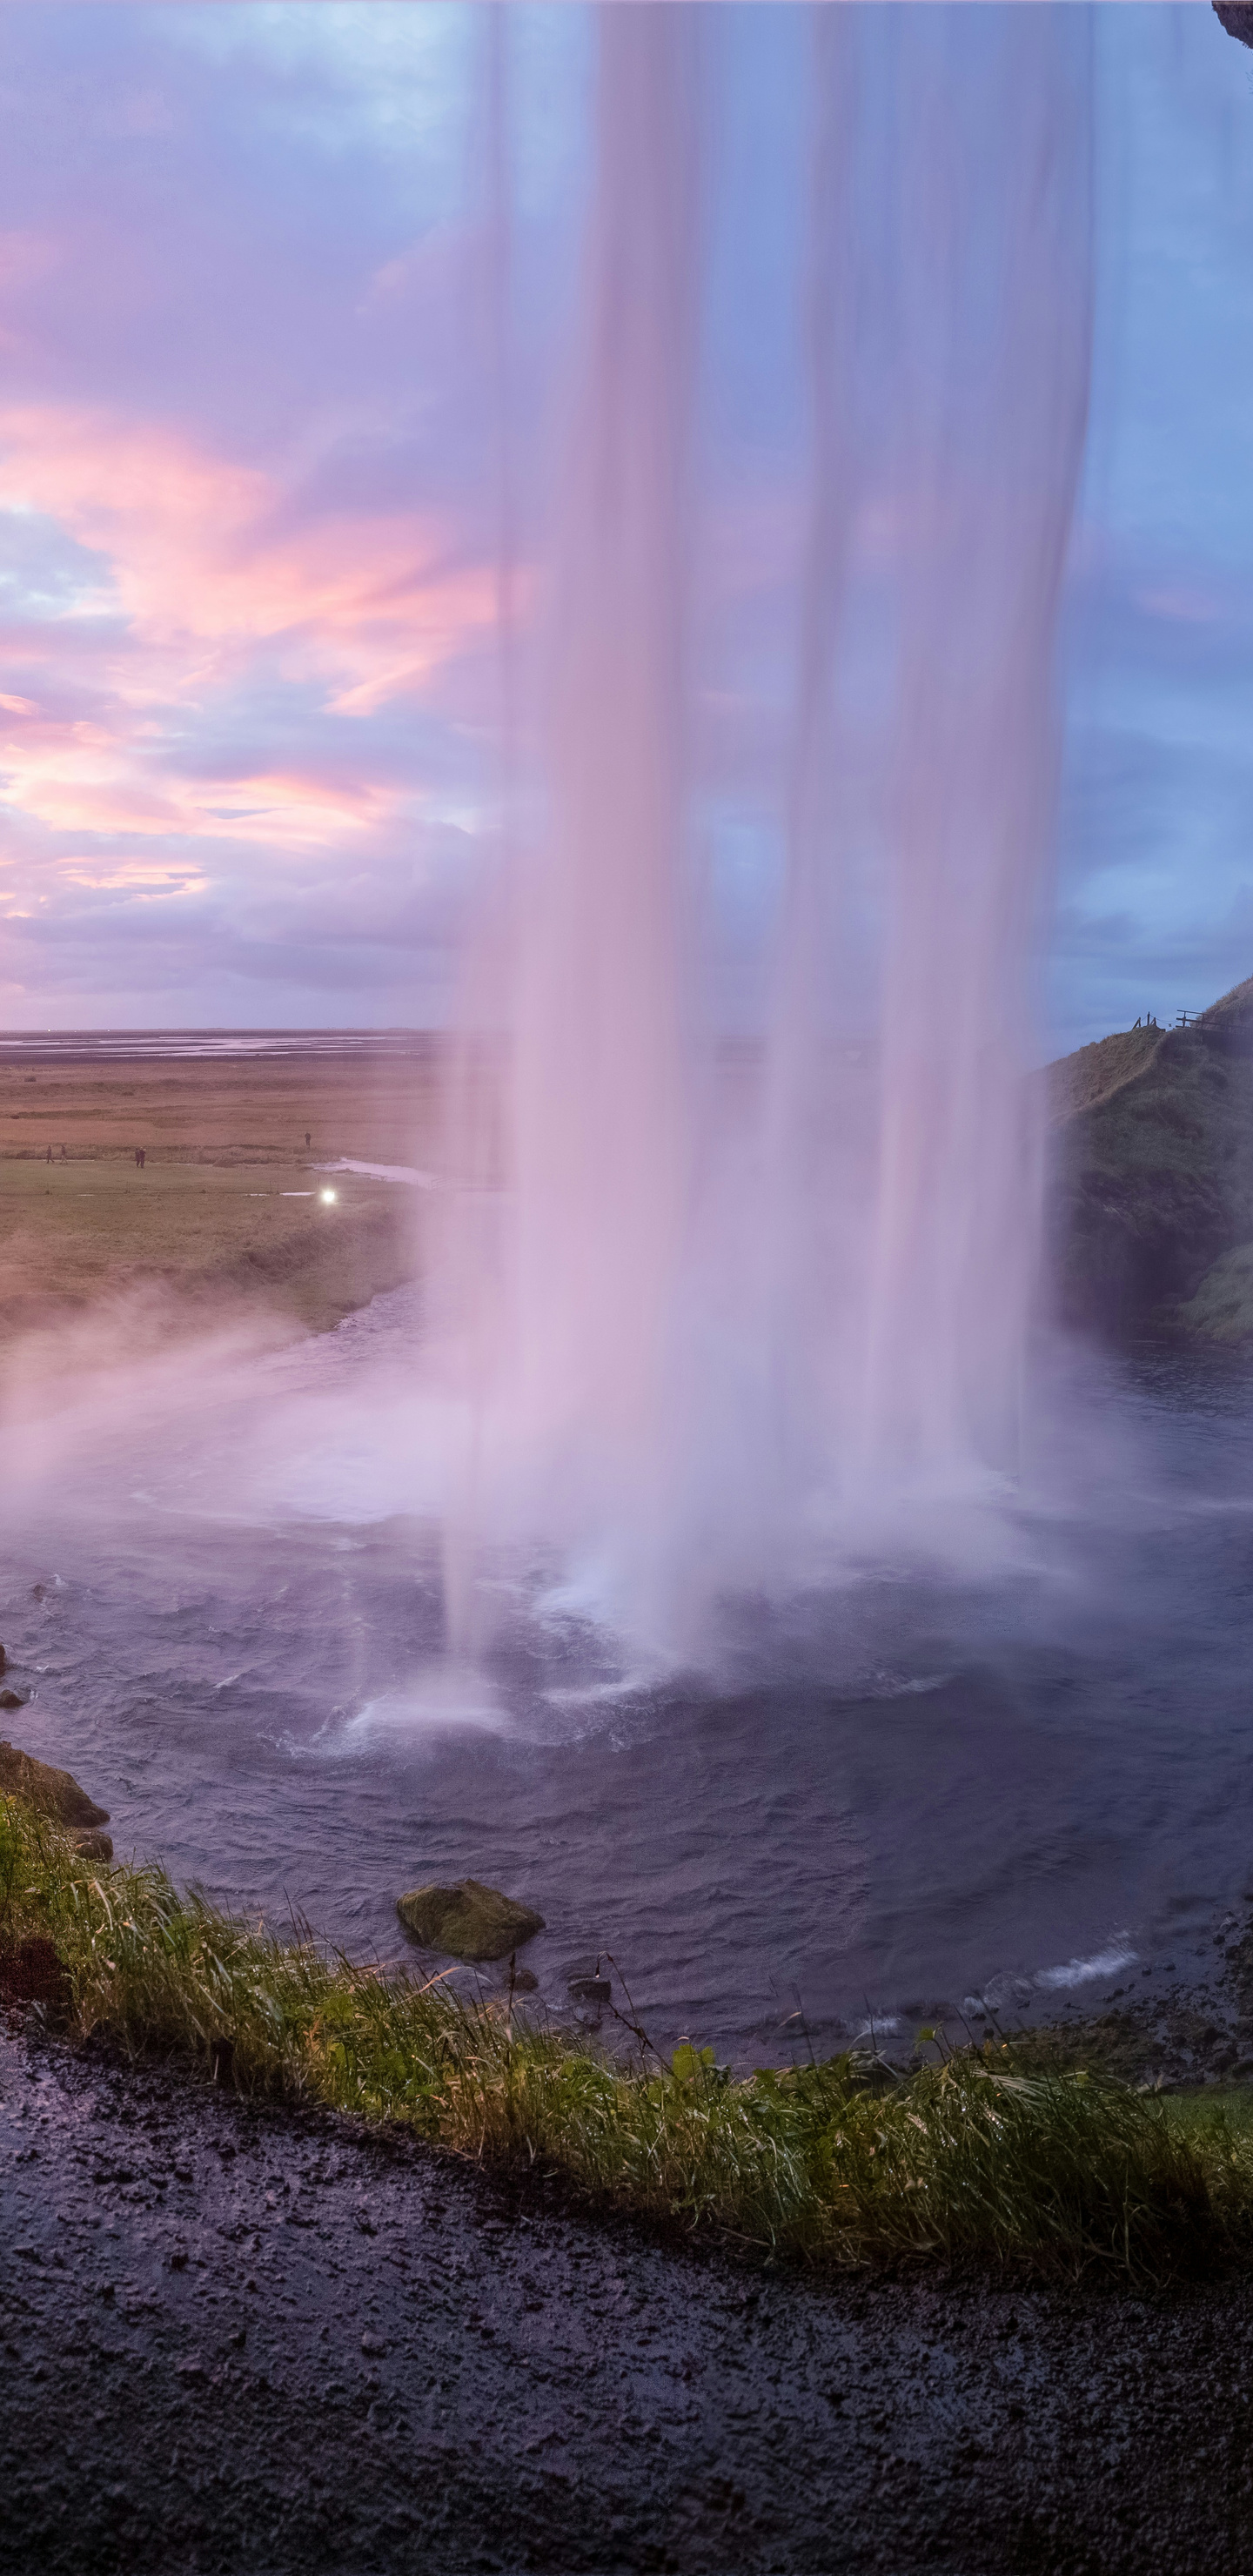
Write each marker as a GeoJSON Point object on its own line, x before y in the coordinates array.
{"type": "Point", "coordinates": [308, 1139]}
{"type": "Point", "coordinates": [50, 1153]}
{"type": "Point", "coordinates": [63, 1154]}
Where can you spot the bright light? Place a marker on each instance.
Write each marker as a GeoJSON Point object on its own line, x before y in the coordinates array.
{"type": "Point", "coordinates": [327, 1197]}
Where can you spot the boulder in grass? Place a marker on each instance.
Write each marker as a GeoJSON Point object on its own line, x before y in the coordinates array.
{"type": "Point", "coordinates": [93, 1845]}
{"type": "Point", "coordinates": [468, 1921]}
{"type": "Point", "coordinates": [53, 1793]}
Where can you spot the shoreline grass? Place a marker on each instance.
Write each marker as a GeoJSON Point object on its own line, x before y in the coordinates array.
{"type": "Point", "coordinates": [978, 2159]}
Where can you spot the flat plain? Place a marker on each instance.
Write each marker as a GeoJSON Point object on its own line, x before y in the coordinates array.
{"type": "Point", "coordinates": [227, 1206]}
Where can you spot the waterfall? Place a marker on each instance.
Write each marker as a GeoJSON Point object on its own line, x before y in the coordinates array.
{"type": "Point", "coordinates": [732, 1297]}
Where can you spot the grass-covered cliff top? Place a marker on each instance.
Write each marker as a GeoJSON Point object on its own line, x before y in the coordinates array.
{"type": "Point", "coordinates": [1169, 1095]}
{"type": "Point", "coordinates": [1094, 1073]}
{"type": "Point", "coordinates": [984, 2156]}
{"type": "Point", "coordinates": [1153, 1173]}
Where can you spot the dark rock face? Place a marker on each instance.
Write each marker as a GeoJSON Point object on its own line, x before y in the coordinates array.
{"type": "Point", "coordinates": [1152, 1179]}
{"type": "Point", "coordinates": [1236, 18]}
{"type": "Point", "coordinates": [468, 1921]}
{"type": "Point", "coordinates": [31, 1972]}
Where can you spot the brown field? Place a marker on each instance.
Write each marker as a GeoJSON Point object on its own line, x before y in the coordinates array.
{"type": "Point", "coordinates": [219, 1214]}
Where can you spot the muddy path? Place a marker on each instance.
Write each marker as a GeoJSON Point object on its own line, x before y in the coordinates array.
{"type": "Point", "coordinates": [238, 2340]}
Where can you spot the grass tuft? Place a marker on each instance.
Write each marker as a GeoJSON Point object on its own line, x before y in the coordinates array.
{"type": "Point", "coordinates": [982, 2158]}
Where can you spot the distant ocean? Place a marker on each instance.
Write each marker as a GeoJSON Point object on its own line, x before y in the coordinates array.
{"type": "Point", "coordinates": [106, 1046]}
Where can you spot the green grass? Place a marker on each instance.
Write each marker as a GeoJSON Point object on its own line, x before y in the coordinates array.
{"type": "Point", "coordinates": [1194, 2115]}
{"type": "Point", "coordinates": [979, 2158]}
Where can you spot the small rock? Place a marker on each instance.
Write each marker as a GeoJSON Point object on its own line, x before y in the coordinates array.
{"type": "Point", "coordinates": [4, 1661]}
{"type": "Point", "coordinates": [372, 2343]}
{"type": "Point", "coordinates": [525, 1981]}
{"type": "Point", "coordinates": [468, 1921]}
{"type": "Point", "coordinates": [11, 1698]}
{"type": "Point", "coordinates": [93, 1845]}
{"type": "Point", "coordinates": [591, 1990]}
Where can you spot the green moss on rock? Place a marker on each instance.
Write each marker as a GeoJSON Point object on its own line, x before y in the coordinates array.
{"type": "Point", "coordinates": [1222, 1309]}
{"type": "Point", "coordinates": [56, 1794]}
{"type": "Point", "coordinates": [468, 1921]}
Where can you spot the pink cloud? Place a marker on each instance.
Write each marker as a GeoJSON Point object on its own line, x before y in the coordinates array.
{"type": "Point", "coordinates": [146, 881]}
{"type": "Point", "coordinates": [1181, 604]}
{"type": "Point", "coordinates": [202, 564]}
{"type": "Point", "coordinates": [79, 777]}
{"type": "Point", "coordinates": [206, 565]}
{"type": "Point", "coordinates": [26, 259]}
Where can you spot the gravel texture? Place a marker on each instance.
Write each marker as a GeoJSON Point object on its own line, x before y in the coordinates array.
{"type": "Point", "coordinates": [238, 2339]}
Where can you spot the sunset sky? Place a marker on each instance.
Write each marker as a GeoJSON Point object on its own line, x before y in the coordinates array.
{"type": "Point", "coordinates": [248, 674]}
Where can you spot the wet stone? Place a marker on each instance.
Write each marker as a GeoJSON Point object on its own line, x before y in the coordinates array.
{"type": "Point", "coordinates": [468, 1920]}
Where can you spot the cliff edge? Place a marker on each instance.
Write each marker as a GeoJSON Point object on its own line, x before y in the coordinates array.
{"type": "Point", "coordinates": [1151, 1190]}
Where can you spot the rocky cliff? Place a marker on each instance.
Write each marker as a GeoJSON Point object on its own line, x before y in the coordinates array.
{"type": "Point", "coordinates": [1237, 18]}
{"type": "Point", "coordinates": [1151, 1190]}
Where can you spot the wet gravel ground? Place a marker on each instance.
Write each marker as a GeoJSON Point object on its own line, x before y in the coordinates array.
{"type": "Point", "coordinates": [234, 2339]}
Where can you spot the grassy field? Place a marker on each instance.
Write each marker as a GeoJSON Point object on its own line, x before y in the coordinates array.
{"type": "Point", "coordinates": [979, 2158]}
{"type": "Point", "coordinates": [227, 1207]}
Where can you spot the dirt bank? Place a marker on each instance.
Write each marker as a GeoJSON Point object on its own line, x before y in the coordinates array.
{"type": "Point", "coordinates": [234, 2339]}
